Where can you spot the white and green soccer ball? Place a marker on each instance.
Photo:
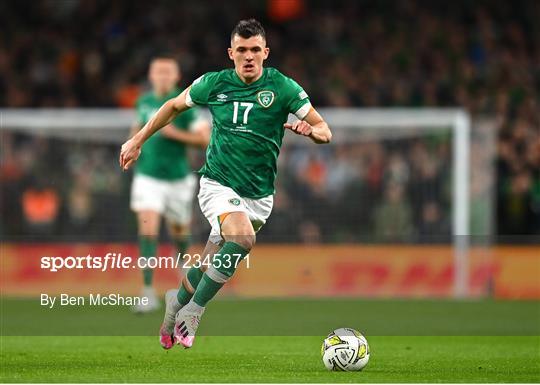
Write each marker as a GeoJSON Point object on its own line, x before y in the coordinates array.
{"type": "Point", "coordinates": [345, 349]}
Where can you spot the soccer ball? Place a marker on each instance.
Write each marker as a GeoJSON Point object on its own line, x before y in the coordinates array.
{"type": "Point", "coordinates": [345, 349]}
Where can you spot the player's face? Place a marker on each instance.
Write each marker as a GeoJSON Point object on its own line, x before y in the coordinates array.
{"type": "Point", "coordinates": [163, 75]}
{"type": "Point", "coordinates": [248, 56]}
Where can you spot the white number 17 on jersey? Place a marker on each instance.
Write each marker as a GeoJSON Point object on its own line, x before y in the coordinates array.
{"type": "Point", "coordinates": [248, 106]}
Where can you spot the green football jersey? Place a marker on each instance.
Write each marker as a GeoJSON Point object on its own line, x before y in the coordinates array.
{"type": "Point", "coordinates": [161, 157]}
{"type": "Point", "coordinates": [248, 128]}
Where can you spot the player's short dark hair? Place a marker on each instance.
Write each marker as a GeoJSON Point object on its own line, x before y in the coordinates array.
{"type": "Point", "coordinates": [248, 28]}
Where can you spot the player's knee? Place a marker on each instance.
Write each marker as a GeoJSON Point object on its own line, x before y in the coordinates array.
{"type": "Point", "coordinates": [248, 241]}
{"type": "Point", "coordinates": [148, 223]}
{"type": "Point", "coordinates": [240, 232]}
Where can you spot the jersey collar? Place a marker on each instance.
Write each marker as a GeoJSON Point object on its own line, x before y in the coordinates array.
{"type": "Point", "coordinates": [239, 81]}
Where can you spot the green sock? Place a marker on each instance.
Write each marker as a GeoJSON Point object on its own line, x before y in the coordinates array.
{"type": "Point", "coordinates": [194, 276]}
{"type": "Point", "coordinates": [147, 248]}
{"type": "Point", "coordinates": [208, 288]}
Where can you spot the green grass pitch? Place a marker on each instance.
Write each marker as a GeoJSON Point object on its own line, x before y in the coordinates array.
{"type": "Point", "coordinates": [260, 341]}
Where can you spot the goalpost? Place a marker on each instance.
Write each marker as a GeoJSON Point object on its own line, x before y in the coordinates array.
{"type": "Point", "coordinates": [458, 120]}
{"type": "Point", "coordinates": [111, 126]}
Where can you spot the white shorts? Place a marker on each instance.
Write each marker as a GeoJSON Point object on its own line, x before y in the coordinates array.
{"type": "Point", "coordinates": [216, 199]}
{"type": "Point", "coordinates": [173, 199]}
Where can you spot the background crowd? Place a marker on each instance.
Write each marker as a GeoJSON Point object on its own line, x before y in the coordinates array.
{"type": "Point", "coordinates": [483, 56]}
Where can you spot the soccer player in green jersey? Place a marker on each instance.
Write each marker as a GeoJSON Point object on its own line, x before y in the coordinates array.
{"type": "Point", "coordinates": [250, 106]}
{"type": "Point", "coordinates": [163, 184]}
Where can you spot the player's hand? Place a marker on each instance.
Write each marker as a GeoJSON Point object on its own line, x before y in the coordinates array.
{"type": "Point", "coordinates": [300, 127]}
{"type": "Point", "coordinates": [129, 154]}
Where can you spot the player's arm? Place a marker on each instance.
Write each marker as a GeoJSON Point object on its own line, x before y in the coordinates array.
{"type": "Point", "coordinates": [198, 135]}
{"type": "Point", "coordinates": [313, 125]}
{"type": "Point", "coordinates": [169, 110]}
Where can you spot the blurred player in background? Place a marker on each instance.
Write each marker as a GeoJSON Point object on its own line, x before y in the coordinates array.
{"type": "Point", "coordinates": [250, 106]}
{"type": "Point", "coordinates": [163, 184]}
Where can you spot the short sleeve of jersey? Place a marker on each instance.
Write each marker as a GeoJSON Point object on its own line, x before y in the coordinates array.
{"type": "Point", "coordinates": [201, 89]}
{"type": "Point", "coordinates": [297, 99]}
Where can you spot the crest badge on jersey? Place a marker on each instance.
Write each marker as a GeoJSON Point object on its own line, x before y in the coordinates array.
{"type": "Point", "coordinates": [265, 98]}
